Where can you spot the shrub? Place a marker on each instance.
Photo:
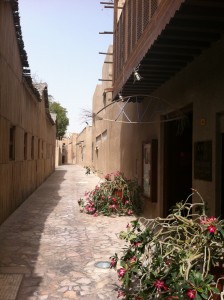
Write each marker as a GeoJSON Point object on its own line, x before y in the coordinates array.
{"type": "Point", "coordinates": [117, 195]}
{"type": "Point", "coordinates": [171, 258]}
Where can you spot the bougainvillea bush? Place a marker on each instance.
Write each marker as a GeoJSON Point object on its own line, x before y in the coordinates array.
{"type": "Point", "coordinates": [117, 195]}
{"type": "Point", "coordinates": [171, 258]}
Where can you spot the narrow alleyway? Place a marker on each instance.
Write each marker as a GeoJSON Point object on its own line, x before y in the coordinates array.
{"type": "Point", "coordinates": [51, 248]}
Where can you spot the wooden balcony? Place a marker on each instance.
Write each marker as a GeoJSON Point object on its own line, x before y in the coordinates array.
{"type": "Point", "coordinates": [161, 38]}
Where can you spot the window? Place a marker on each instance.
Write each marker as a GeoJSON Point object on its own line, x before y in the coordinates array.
{"type": "Point", "coordinates": [48, 150]}
{"type": "Point", "coordinates": [104, 135]}
{"type": "Point", "coordinates": [32, 147]}
{"type": "Point", "coordinates": [39, 150]}
{"type": "Point", "coordinates": [12, 132]}
{"type": "Point", "coordinates": [42, 150]}
{"type": "Point", "coordinates": [98, 138]}
{"type": "Point", "coordinates": [25, 145]}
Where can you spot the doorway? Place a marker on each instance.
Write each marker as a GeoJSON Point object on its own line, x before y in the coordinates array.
{"type": "Point", "coordinates": [222, 176]}
{"type": "Point", "coordinates": [219, 209]}
{"type": "Point", "coordinates": [177, 160]}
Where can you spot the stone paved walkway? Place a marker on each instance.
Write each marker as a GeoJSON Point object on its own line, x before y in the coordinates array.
{"type": "Point", "coordinates": [56, 247]}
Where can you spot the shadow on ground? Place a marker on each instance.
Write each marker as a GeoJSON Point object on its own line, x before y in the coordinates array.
{"type": "Point", "coordinates": [21, 234]}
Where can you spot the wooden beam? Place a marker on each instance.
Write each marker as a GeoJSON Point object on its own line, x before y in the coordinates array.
{"type": "Point", "coordinates": [105, 53]}
{"type": "Point", "coordinates": [109, 3]}
{"type": "Point", "coordinates": [119, 7]}
{"type": "Point", "coordinates": [106, 32]}
{"type": "Point", "coordinates": [105, 79]}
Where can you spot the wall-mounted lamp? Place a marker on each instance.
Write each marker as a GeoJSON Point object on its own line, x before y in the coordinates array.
{"type": "Point", "coordinates": [121, 97]}
{"type": "Point", "coordinates": [137, 76]}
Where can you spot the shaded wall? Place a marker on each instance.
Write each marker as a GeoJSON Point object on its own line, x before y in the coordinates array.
{"type": "Point", "coordinates": [27, 133]}
{"type": "Point", "coordinates": [65, 150]}
{"type": "Point", "coordinates": [199, 86]}
{"type": "Point", "coordinates": [196, 90]}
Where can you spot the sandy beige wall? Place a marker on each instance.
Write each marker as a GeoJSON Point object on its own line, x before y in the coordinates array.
{"type": "Point", "coordinates": [200, 85]}
{"type": "Point", "coordinates": [106, 132]}
{"type": "Point", "coordinates": [65, 150]}
{"type": "Point", "coordinates": [84, 148]}
{"type": "Point", "coordinates": [19, 109]}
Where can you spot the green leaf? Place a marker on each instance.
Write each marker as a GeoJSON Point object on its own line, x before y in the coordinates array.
{"type": "Point", "coordinates": [198, 297]}
{"type": "Point", "coordinates": [132, 236]}
{"type": "Point", "coordinates": [216, 290]}
{"type": "Point", "coordinates": [221, 230]}
{"type": "Point", "coordinates": [204, 296]}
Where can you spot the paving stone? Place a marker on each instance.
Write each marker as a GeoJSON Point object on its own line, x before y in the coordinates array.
{"type": "Point", "coordinates": [44, 297]}
{"type": "Point", "coordinates": [84, 281]}
{"type": "Point", "coordinates": [70, 295]}
{"type": "Point", "coordinates": [63, 289]}
{"type": "Point", "coordinates": [55, 247]}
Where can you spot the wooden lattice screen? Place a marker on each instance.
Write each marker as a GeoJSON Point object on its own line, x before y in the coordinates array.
{"type": "Point", "coordinates": [135, 16]}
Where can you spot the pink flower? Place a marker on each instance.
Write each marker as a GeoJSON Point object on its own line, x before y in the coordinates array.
{"type": "Point", "coordinates": [113, 262]}
{"type": "Point", "coordinates": [133, 259]}
{"type": "Point", "coordinates": [191, 294]}
{"type": "Point", "coordinates": [120, 294]}
{"type": "Point", "coordinates": [212, 228]}
{"type": "Point", "coordinates": [121, 272]}
{"type": "Point", "coordinates": [136, 244]}
{"type": "Point", "coordinates": [159, 284]}
{"type": "Point", "coordinates": [212, 219]}
{"type": "Point", "coordinates": [165, 288]}
{"type": "Point", "coordinates": [207, 221]}
{"type": "Point", "coordinates": [130, 212]}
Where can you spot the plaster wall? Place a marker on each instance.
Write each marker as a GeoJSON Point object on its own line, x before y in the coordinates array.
{"type": "Point", "coordinates": [200, 84]}
{"type": "Point", "coordinates": [106, 131]}
{"type": "Point", "coordinates": [27, 134]}
{"type": "Point", "coordinates": [84, 147]}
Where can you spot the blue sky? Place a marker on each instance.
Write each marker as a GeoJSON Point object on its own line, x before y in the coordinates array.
{"type": "Point", "coordinates": [62, 42]}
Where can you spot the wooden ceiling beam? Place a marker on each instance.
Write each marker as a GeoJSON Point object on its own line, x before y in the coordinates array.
{"type": "Point", "coordinates": [184, 44]}
{"type": "Point", "coordinates": [206, 4]}
{"type": "Point", "coordinates": [174, 51]}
